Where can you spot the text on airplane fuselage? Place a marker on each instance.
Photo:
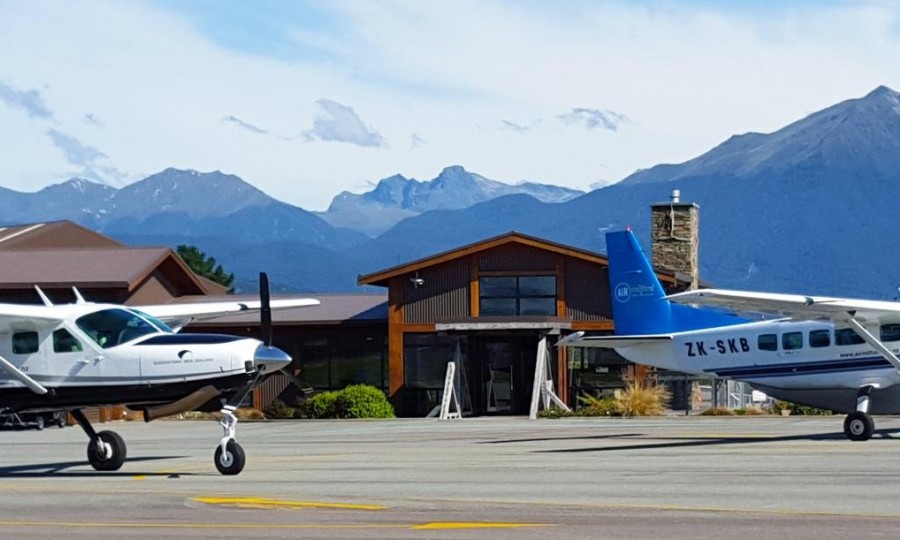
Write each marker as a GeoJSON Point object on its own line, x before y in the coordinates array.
{"type": "Point", "coordinates": [720, 346]}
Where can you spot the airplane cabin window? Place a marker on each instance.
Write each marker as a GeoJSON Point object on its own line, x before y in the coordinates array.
{"type": "Point", "coordinates": [767, 342]}
{"type": "Point", "coordinates": [819, 338]}
{"type": "Point", "coordinates": [64, 342]}
{"type": "Point", "coordinates": [890, 332]}
{"type": "Point", "coordinates": [847, 336]}
{"type": "Point", "coordinates": [111, 327]}
{"type": "Point", "coordinates": [791, 341]}
{"type": "Point", "coordinates": [25, 342]}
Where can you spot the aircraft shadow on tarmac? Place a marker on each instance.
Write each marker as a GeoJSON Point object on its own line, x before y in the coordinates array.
{"type": "Point", "coordinates": [37, 470]}
{"type": "Point", "coordinates": [687, 442]}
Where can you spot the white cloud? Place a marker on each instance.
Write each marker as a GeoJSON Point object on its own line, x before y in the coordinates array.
{"type": "Point", "coordinates": [88, 162]}
{"type": "Point", "coordinates": [29, 101]}
{"type": "Point", "coordinates": [594, 118]}
{"type": "Point", "coordinates": [337, 122]}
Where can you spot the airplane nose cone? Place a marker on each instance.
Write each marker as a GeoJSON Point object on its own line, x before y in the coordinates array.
{"type": "Point", "coordinates": [268, 359]}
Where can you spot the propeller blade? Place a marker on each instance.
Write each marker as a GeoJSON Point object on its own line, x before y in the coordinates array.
{"type": "Point", "coordinates": [265, 311]}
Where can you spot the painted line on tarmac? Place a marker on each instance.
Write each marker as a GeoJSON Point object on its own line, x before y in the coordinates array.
{"type": "Point", "coordinates": [444, 525]}
{"type": "Point", "coordinates": [673, 508]}
{"type": "Point", "coordinates": [270, 526]}
{"type": "Point", "coordinates": [258, 502]}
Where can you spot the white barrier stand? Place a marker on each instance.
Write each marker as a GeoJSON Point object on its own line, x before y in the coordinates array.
{"type": "Point", "coordinates": [542, 390]}
{"type": "Point", "coordinates": [450, 398]}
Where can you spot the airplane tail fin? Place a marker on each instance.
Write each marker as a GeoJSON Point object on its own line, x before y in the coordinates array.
{"type": "Point", "coordinates": [638, 300]}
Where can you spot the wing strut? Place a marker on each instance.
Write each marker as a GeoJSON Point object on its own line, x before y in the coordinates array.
{"type": "Point", "coordinates": [19, 375]}
{"type": "Point", "coordinates": [874, 342]}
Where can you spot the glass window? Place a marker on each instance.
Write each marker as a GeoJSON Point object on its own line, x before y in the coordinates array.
{"type": "Point", "coordinates": [537, 286]}
{"type": "Point", "coordinates": [111, 327]}
{"type": "Point", "coordinates": [25, 342]}
{"type": "Point", "coordinates": [64, 342]}
{"type": "Point", "coordinates": [819, 338]}
{"type": "Point", "coordinates": [847, 336]}
{"type": "Point", "coordinates": [767, 342]}
{"type": "Point", "coordinates": [502, 287]}
{"type": "Point", "coordinates": [890, 332]}
{"type": "Point", "coordinates": [792, 341]}
{"type": "Point", "coordinates": [496, 307]}
{"type": "Point", "coordinates": [537, 306]}
{"type": "Point", "coordinates": [510, 296]}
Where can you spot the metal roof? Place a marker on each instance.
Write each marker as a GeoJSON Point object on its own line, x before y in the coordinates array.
{"type": "Point", "coordinates": [120, 267]}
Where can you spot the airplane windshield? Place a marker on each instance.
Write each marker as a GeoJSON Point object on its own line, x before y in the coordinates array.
{"type": "Point", "coordinates": [163, 327]}
{"type": "Point", "coordinates": [111, 327]}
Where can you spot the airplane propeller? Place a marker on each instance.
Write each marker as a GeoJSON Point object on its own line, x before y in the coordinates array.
{"type": "Point", "coordinates": [265, 329]}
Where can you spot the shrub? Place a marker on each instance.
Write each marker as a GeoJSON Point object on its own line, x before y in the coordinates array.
{"type": "Point", "coordinates": [718, 411]}
{"type": "Point", "coordinates": [795, 408]}
{"type": "Point", "coordinates": [598, 406]}
{"type": "Point", "coordinates": [320, 405]}
{"type": "Point", "coordinates": [362, 401]}
{"type": "Point", "coordinates": [278, 409]}
{"type": "Point", "coordinates": [642, 398]}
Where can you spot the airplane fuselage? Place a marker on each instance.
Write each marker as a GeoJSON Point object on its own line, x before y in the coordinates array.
{"type": "Point", "coordinates": [787, 359]}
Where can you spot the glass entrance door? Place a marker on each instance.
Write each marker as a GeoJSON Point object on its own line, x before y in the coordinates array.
{"type": "Point", "coordinates": [507, 369]}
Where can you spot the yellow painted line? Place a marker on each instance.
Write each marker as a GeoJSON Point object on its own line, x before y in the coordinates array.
{"type": "Point", "coordinates": [129, 525]}
{"type": "Point", "coordinates": [256, 502]}
{"type": "Point", "coordinates": [475, 525]}
{"type": "Point", "coordinates": [140, 477]}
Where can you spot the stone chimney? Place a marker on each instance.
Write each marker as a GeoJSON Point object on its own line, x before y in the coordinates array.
{"type": "Point", "coordinates": [675, 238]}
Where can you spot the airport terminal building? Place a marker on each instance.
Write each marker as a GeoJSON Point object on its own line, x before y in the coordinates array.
{"type": "Point", "coordinates": [486, 304]}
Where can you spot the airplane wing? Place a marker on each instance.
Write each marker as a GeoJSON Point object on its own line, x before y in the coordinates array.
{"type": "Point", "coordinates": [178, 315]}
{"type": "Point", "coordinates": [838, 310]}
{"type": "Point", "coordinates": [13, 316]}
{"type": "Point", "coordinates": [578, 339]}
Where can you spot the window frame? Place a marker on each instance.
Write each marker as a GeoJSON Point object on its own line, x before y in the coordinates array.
{"type": "Point", "coordinates": [516, 296]}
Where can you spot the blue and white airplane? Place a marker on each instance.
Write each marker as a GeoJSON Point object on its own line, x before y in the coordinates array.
{"type": "Point", "coordinates": [834, 353]}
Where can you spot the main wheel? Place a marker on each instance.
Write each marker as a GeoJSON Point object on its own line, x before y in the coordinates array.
{"type": "Point", "coordinates": [232, 460]}
{"type": "Point", "coordinates": [858, 426]}
{"type": "Point", "coordinates": [39, 422]}
{"type": "Point", "coordinates": [111, 455]}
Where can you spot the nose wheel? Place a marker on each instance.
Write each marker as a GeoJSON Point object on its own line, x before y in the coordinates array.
{"type": "Point", "coordinates": [229, 457]}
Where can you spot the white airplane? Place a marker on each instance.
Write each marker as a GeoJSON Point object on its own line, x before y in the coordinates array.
{"type": "Point", "coordinates": [79, 355]}
{"type": "Point", "coordinates": [834, 353]}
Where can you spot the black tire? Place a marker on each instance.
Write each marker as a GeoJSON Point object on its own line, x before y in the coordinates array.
{"type": "Point", "coordinates": [859, 426]}
{"type": "Point", "coordinates": [60, 420]}
{"type": "Point", "coordinates": [112, 462]}
{"type": "Point", "coordinates": [39, 422]}
{"type": "Point", "coordinates": [232, 461]}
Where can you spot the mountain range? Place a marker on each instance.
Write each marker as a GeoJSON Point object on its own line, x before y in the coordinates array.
{"type": "Point", "coordinates": [803, 209]}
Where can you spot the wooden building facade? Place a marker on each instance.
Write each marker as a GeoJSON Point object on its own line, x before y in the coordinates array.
{"type": "Point", "coordinates": [489, 304]}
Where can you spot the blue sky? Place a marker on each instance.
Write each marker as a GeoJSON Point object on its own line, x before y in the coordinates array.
{"type": "Point", "coordinates": [307, 99]}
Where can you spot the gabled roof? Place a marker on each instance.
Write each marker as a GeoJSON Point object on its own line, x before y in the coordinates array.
{"type": "Point", "coordinates": [52, 234]}
{"type": "Point", "coordinates": [120, 267]}
{"type": "Point", "coordinates": [513, 237]}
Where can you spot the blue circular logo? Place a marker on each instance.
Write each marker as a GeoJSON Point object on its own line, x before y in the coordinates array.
{"type": "Point", "coordinates": [623, 292]}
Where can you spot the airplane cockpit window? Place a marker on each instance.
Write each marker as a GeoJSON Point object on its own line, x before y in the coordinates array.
{"type": "Point", "coordinates": [25, 342]}
{"type": "Point", "coordinates": [64, 342]}
{"type": "Point", "coordinates": [111, 327]}
{"type": "Point", "coordinates": [847, 336]}
{"type": "Point", "coordinates": [163, 327]}
{"type": "Point", "coordinates": [890, 332]}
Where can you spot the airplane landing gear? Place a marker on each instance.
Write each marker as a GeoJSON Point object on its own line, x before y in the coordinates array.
{"type": "Point", "coordinates": [859, 426]}
{"type": "Point", "coordinates": [229, 456]}
{"type": "Point", "coordinates": [106, 450]}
